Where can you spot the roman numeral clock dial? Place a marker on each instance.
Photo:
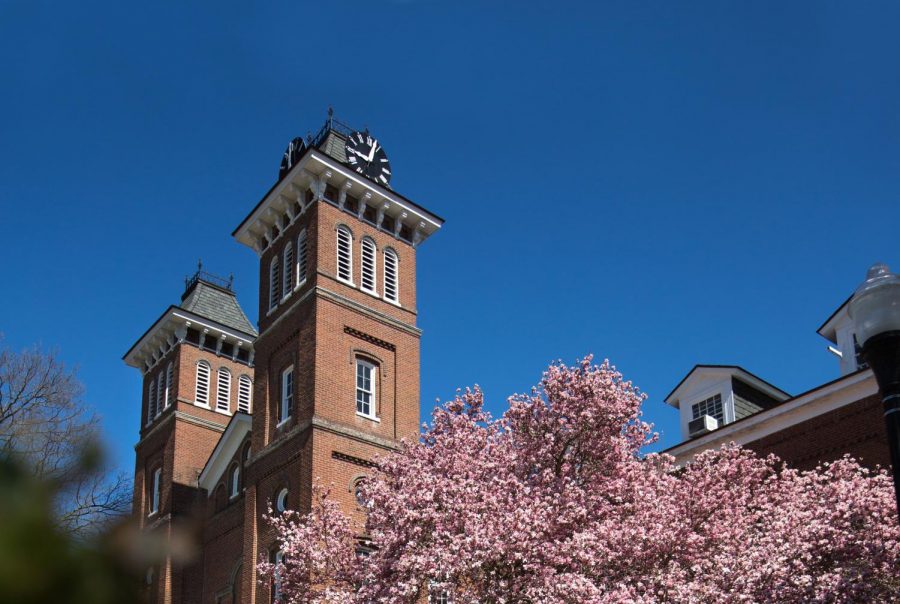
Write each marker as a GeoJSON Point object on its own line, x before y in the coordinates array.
{"type": "Point", "coordinates": [366, 155]}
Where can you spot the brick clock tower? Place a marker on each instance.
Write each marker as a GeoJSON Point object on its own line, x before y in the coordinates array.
{"type": "Point", "coordinates": [234, 420]}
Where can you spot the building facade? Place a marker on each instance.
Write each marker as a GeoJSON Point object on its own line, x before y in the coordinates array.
{"type": "Point", "coordinates": [720, 404]}
{"type": "Point", "coordinates": [238, 420]}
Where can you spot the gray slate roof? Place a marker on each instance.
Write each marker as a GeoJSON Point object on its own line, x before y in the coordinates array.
{"type": "Point", "coordinates": [217, 304]}
{"type": "Point", "coordinates": [333, 145]}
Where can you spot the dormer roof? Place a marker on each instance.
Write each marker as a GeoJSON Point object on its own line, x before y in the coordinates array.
{"type": "Point", "coordinates": [718, 372]}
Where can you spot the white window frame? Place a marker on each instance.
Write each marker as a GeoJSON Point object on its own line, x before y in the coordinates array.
{"type": "Point", "coordinates": [245, 394]}
{"type": "Point", "coordinates": [368, 254]}
{"type": "Point", "coordinates": [274, 283]}
{"type": "Point", "coordinates": [276, 579]}
{"type": "Point", "coordinates": [281, 500]}
{"type": "Point", "coordinates": [234, 481]}
{"type": "Point", "coordinates": [707, 403]}
{"type": "Point", "coordinates": [392, 262]}
{"type": "Point", "coordinates": [160, 393]}
{"type": "Point", "coordinates": [202, 401]}
{"type": "Point", "coordinates": [287, 274]}
{"type": "Point", "coordinates": [302, 260]}
{"type": "Point", "coordinates": [438, 595]}
{"type": "Point", "coordinates": [170, 392]}
{"type": "Point", "coordinates": [345, 231]}
{"type": "Point", "coordinates": [285, 399]}
{"type": "Point", "coordinates": [223, 390]}
{"type": "Point", "coordinates": [156, 479]}
{"type": "Point", "coordinates": [151, 401]}
{"type": "Point", "coordinates": [373, 400]}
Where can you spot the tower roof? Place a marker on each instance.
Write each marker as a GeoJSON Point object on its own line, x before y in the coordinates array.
{"type": "Point", "coordinates": [207, 299]}
{"type": "Point", "coordinates": [208, 305]}
{"type": "Point", "coordinates": [322, 166]}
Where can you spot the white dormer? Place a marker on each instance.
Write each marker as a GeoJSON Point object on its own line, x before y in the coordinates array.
{"type": "Point", "coordinates": [711, 396]}
{"type": "Point", "coordinates": [839, 330]}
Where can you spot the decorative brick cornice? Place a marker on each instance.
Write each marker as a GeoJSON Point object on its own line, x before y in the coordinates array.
{"type": "Point", "coordinates": [370, 339]}
{"type": "Point", "coordinates": [351, 459]}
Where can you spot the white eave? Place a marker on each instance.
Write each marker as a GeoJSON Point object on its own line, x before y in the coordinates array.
{"type": "Point", "coordinates": [813, 403]}
{"type": "Point", "coordinates": [225, 450]}
{"type": "Point", "coordinates": [722, 371]}
{"type": "Point", "coordinates": [171, 328]}
{"type": "Point", "coordinates": [828, 330]}
{"type": "Point", "coordinates": [315, 170]}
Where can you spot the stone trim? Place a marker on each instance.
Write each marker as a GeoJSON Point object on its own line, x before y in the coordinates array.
{"type": "Point", "coordinates": [342, 430]}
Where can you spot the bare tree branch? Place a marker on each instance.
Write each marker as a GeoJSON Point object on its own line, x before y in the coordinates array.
{"type": "Point", "coordinates": [45, 423]}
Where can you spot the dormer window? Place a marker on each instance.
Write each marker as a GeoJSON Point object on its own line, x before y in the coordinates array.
{"type": "Point", "coordinates": [711, 407]}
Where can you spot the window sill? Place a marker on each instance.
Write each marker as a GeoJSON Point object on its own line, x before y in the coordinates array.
{"type": "Point", "coordinates": [202, 406]}
{"type": "Point", "coordinates": [223, 411]}
{"type": "Point", "coordinates": [271, 310]}
{"type": "Point", "coordinates": [371, 292]}
{"type": "Point", "coordinates": [373, 418]}
{"type": "Point", "coordinates": [346, 282]}
{"type": "Point", "coordinates": [152, 514]}
{"type": "Point", "coordinates": [299, 285]}
{"type": "Point", "coordinates": [389, 301]}
{"type": "Point", "coordinates": [283, 422]}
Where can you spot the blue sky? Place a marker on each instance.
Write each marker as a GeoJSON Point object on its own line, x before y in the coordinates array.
{"type": "Point", "coordinates": [660, 183]}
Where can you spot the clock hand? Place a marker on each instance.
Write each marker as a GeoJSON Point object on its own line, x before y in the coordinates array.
{"type": "Point", "coordinates": [372, 152]}
{"type": "Point", "coordinates": [354, 151]}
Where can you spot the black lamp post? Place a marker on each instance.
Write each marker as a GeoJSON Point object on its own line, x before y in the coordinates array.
{"type": "Point", "coordinates": [875, 310]}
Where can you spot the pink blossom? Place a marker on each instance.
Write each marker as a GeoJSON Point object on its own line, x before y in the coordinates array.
{"type": "Point", "coordinates": [553, 502]}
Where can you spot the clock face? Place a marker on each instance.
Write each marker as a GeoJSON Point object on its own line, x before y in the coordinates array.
{"type": "Point", "coordinates": [366, 155]}
{"type": "Point", "coordinates": [291, 156]}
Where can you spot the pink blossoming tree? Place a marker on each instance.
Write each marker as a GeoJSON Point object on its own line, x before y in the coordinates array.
{"type": "Point", "coordinates": [553, 503]}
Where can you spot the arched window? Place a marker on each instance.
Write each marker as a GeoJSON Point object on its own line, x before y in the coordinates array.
{"type": "Point", "coordinates": [367, 253]}
{"type": "Point", "coordinates": [202, 396]}
{"type": "Point", "coordinates": [154, 490]}
{"type": "Point", "coordinates": [281, 503]}
{"type": "Point", "coordinates": [286, 408]}
{"type": "Point", "coordinates": [357, 488]}
{"type": "Point", "coordinates": [344, 256]}
{"type": "Point", "coordinates": [278, 560]}
{"type": "Point", "coordinates": [288, 272]}
{"type": "Point", "coordinates": [234, 481]}
{"type": "Point", "coordinates": [365, 388]}
{"type": "Point", "coordinates": [245, 393]}
{"type": "Point", "coordinates": [170, 391]}
{"type": "Point", "coordinates": [274, 283]}
{"type": "Point", "coordinates": [160, 393]}
{"type": "Point", "coordinates": [223, 390]}
{"type": "Point", "coordinates": [302, 257]}
{"type": "Point", "coordinates": [151, 401]}
{"type": "Point", "coordinates": [391, 284]}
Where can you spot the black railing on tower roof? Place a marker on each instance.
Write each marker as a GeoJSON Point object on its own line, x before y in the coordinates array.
{"type": "Point", "coordinates": [202, 275]}
{"type": "Point", "coordinates": [331, 124]}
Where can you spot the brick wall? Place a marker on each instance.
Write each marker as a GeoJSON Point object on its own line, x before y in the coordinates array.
{"type": "Point", "coordinates": [857, 429]}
